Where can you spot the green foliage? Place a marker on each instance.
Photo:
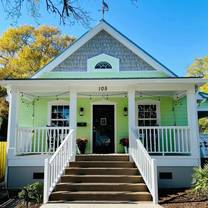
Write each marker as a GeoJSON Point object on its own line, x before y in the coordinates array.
{"type": "Point", "coordinates": [25, 49]}
{"type": "Point", "coordinates": [32, 193]}
{"type": "Point", "coordinates": [199, 68]}
{"type": "Point", "coordinates": [200, 180]}
{"type": "Point", "coordinates": [203, 125]}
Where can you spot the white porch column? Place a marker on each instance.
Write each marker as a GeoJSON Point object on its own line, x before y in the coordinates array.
{"type": "Point", "coordinates": [193, 123]}
{"type": "Point", "coordinates": [131, 114]}
{"type": "Point", "coordinates": [73, 116]}
{"type": "Point", "coordinates": [12, 122]}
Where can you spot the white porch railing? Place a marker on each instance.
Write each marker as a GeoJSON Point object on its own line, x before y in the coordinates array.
{"type": "Point", "coordinates": [55, 166]}
{"type": "Point", "coordinates": [165, 140]}
{"type": "Point", "coordinates": [145, 164]}
{"type": "Point", "coordinates": [39, 139]}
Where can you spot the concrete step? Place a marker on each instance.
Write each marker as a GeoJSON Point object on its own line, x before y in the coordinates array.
{"type": "Point", "coordinates": [101, 179]}
{"type": "Point", "coordinates": [100, 196]}
{"type": "Point", "coordinates": [101, 171]}
{"type": "Point", "coordinates": [101, 187]}
{"type": "Point", "coordinates": [110, 157]}
{"type": "Point", "coordinates": [115, 164]}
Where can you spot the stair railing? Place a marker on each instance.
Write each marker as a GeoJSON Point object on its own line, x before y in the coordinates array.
{"type": "Point", "coordinates": [55, 166]}
{"type": "Point", "coordinates": [146, 165]}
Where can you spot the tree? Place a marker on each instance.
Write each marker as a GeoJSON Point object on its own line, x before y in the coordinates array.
{"type": "Point", "coordinates": [69, 10]}
{"type": "Point", "coordinates": [199, 68]}
{"type": "Point", "coordinates": [25, 49]}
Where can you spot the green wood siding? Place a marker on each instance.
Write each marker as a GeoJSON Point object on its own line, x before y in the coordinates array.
{"type": "Point", "coordinates": [168, 117]}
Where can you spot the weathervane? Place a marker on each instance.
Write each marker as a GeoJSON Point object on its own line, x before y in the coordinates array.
{"type": "Point", "coordinates": [105, 8]}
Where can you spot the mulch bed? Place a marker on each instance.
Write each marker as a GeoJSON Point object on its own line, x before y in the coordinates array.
{"type": "Point", "coordinates": [181, 198]}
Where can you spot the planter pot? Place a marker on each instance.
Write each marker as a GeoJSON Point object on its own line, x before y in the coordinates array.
{"type": "Point", "coordinates": [82, 148]}
{"type": "Point", "coordinates": [126, 149]}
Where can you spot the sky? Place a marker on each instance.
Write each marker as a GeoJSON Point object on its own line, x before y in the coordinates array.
{"type": "Point", "coordinates": [175, 32]}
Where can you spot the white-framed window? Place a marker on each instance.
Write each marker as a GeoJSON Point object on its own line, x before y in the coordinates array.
{"type": "Point", "coordinates": [103, 65]}
{"type": "Point", "coordinates": [59, 114]}
{"type": "Point", "coordinates": [148, 113]}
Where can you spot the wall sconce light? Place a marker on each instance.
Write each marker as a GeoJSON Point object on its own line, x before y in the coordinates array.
{"type": "Point", "coordinates": [81, 111]}
{"type": "Point", "coordinates": [125, 111]}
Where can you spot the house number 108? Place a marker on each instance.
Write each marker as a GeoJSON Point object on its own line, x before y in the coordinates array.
{"type": "Point", "coordinates": [103, 88]}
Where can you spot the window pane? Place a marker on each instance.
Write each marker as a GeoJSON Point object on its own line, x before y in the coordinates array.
{"type": "Point", "coordinates": [66, 123]}
{"type": "Point", "coordinates": [60, 109]}
{"type": "Point", "coordinates": [141, 115]}
{"type": "Point", "coordinates": [147, 114]}
{"type": "Point", "coordinates": [141, 123]}
{"type": "Point", "coordinates": [66, 112]}
{"type": "Point", "coordinates": [153, 123]}
{"type": "Point", "coordinates": [147, 107]}
{"type": "Point", "coordinates": [153, 114]}
{"type": "Point", "coordinates": [141, 107]}
{"type": "Point", "coordinates": [54, 112]}
{"type": "Point", "coordinates": [60, 123]}
{"type": "Point", "coordinates": [54, 123]}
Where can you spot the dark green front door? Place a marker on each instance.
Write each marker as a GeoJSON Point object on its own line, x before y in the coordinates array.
{"type": "Point", "coordinates": [103, 129]}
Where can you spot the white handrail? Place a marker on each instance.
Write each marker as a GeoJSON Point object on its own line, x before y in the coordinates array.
{"type": "Point", "coordinates": [39, 139]}
{"type": "Point", "coordinates": [146, 165]}
{"type": "Point", "coordinates": [170, 140]}
{"type": "Point", "coordinates": [55, 166]}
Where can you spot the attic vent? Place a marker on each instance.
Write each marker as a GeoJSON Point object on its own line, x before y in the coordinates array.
{"type": "Point", "coordinates": [103, 65]}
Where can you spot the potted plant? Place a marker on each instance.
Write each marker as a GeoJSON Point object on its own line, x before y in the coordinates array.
{"type": "Point", "coordinates": [125, 143]}
{"type": "Point", "coordinates": [81, 143]}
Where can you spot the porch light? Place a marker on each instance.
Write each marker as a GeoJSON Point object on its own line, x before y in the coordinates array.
{"type": "Point", "coordinates": [81, 111]}
{"type": "Point", "coordinates": [125, 111]}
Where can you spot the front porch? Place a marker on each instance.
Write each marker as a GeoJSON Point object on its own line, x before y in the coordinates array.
{"type": "Point", "coordinates": [161, 116]}
{"type": "Point", "coordinates": [158, 140]}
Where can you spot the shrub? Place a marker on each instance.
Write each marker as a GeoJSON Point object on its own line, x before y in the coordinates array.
{"type": "Point", "coordinates": [200, 180]}
{"type": "Point", "coordinates": [32, 193]}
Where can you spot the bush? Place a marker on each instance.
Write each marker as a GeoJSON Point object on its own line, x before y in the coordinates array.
{"type": "Point", "coordinates": [200, 180]}
{"type": "Point", "coordinates": [32, 193]}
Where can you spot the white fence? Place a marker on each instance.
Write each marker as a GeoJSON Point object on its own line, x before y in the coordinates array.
{"type": "Point", "coordinates": [165, 139]}
{"type": "Point", "coordinates": [39, 139]}
{"type": "Point", "coordinates": [145, 164]}
{"type": "Point", "coordinates": [55, 166]}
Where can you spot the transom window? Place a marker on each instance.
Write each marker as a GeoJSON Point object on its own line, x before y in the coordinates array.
{"type": "Point", "coordinates": [59, 115]}
{"type": "Point", "coordinates": [103, 65]}
{"type": "Point", "coordinates": [147, 115]}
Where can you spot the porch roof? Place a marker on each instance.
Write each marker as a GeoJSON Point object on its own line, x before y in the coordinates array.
{"type": "Point", "coordinates": [163, 83]}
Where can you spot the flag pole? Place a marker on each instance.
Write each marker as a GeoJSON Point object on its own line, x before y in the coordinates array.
{"type": "Point", "coordinates": [103, 8]}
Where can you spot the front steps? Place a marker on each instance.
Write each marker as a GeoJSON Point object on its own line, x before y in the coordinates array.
{"type": "Point", "coordinates": [101, 178]}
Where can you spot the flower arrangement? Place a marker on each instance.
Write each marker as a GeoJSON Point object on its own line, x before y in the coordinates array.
{"type": "Point", "coordinates": [124, 142]}
{"type": "Point", "coordinates": [82, 143]}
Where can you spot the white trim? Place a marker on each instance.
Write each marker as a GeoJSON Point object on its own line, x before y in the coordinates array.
{"type": "Point", "coordinates": [58, 103]}
{"type": "Point", "coordinates": [149, 102]}
{"type": "Point", "coordinates": [202, 109]}
{"type": "Point", "coordinates": [104, 102]}
{"type": "Point", "coordinates": [86, 37]}
{"type": "Point", "coordinates": [193, 123]}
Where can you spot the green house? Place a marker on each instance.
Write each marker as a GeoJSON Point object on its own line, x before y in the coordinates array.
{"type": "Point", "coordinates": [107, 90]}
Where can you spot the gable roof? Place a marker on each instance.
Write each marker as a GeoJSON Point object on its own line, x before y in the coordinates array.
{"type": "Point", "coordinates": [103, 25]}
